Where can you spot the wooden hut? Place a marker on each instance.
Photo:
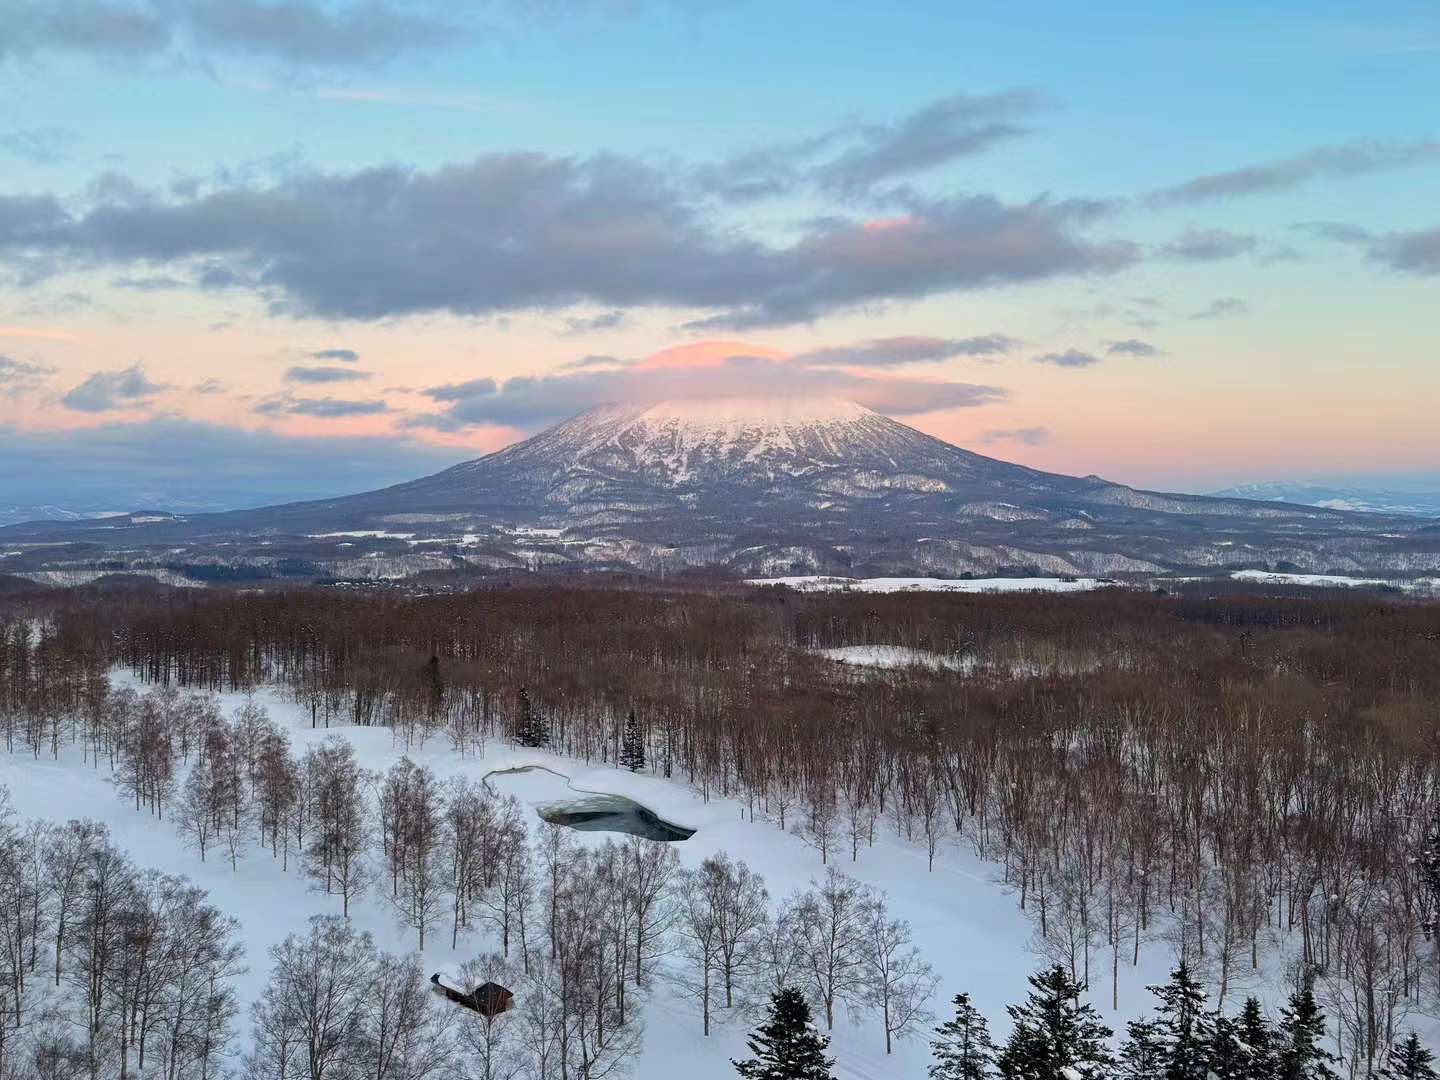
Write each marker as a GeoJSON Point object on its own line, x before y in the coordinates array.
{"type": "Point", "coordinates": [489, 999]}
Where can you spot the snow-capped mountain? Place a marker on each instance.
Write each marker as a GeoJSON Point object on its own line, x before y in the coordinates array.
{"type": "Point", "coordinates": [757, 486]}
{"type": "Point", "coordinates": [1340, 497]}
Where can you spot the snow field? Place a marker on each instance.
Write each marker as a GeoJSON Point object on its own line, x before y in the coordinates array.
{"type": "Point", "coordinates": [968, 927]}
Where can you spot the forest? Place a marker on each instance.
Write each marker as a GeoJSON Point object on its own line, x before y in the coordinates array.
{"type": "Point", "coordinates": [1244, 782]}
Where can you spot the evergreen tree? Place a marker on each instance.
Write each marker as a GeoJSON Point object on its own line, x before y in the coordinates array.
{"type": "Point", "coordinates": [1244, 1048]}
{"type": "Point", "coordinates": [1184, 1026]}
{"type": "Point", "coordinates": [1143, 1056]}
{"type": "Point", "coordinates": [531, 729]}
{"type": "Point", "coordinates": [1299, 1055]}
{"type": "Point", "coordinates": [962, 1046]}
{"type": "Point", "coordinates": [1410, 1060]}
{"type": "Point", "coordinates": [632, 746]}
{"type": "Point", "coordinates": [787, 1045]}
{"type": "Point", "coordinates": [1055, 1035]}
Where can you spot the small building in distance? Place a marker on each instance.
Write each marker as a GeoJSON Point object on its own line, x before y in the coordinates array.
{"type": "Point", "coordinates": [489, 999]}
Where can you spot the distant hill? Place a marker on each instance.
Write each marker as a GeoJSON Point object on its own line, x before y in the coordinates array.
{"type": "Point", "coordinates": [1338, 497]}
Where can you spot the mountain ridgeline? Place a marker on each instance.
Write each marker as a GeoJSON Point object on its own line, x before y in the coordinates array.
{"type": "Point", "coordinates": [760, 488]}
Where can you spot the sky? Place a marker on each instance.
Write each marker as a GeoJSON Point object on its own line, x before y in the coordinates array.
{"type": "Point", "coordinates": [253, 250]}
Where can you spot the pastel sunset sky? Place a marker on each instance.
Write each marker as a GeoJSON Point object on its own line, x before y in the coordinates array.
{"type": "Point", "coordinates": [253, 250]}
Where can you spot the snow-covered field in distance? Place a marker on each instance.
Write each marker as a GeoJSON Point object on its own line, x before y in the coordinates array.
{"type": "Point", "coordinates": [822, 583]}
{"type": "Point", "coordinates": [969, 928]}
{"type": "Point", "coordinates": [895, 656]}
{"type": "Point", "coordinates": [1416, 585]}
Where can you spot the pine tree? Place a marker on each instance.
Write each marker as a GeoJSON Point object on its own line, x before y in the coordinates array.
{"type": "Point", "coordinates": [1299, 1055]}
{"type": "Point", "coordinates": [1054, 1035]}
{"type": "Point", "coordinates": [632, 746]}
{"type": "Point", "coordinates": [531, 729]}
{"type": "Point", "coordinates": [1184, 1026]}
{"type": "Point", "coordinates": [787, 1045]}
{"type": "Point", "coordinates": [1243, 1048]}
{"type": "Point", "coordinates": [962, 1046]}
{"type": "Point", "coordinates": [1410, 1060]}
{"type": "Point", "coordinates": [1143, 1056]}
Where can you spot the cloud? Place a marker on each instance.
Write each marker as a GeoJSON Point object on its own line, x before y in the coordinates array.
{"type": "Point", "coordinates": [1133, 347]}
{"type": "Point", "coordinates": [171, 462]}
{"type": "Point", "coordinates": [288, 31]}
{"type": "Point", "coordinates": [951, 128]}
{"type": "Point", "coordinates": [320, 408]}
{"type": "Point", "coordinates": [42, 144]}
{"type": "Point", "coordinates": [1070, 358]}
{"type": "Point", "coordinates": [853, 158]}
{"type": "Point", "coordinates": [317, 375]}
{"type": "Point", "coordinates": [593, 361]}
{"type": "Point", "coordinates": [1223, 308]}
{"type": "Point", "coordinates": [534, 400]}
{"type": "Point", "coordinates": [911, 349]}
{"type": "Point", "coordinates": [1208, 245]}
{"type": "Point", "coordinates": [606, 320]}
{"type": "Point", "coordinates": [106, 390]}
{"type": "Point", "coordinates": [149, 282]}
{"type": "Point", "coordinates": [1337, 231]}
{"type": "Point", "coordinates": [1411, 252]}
{"type": "Point", "coordinates": [21, 376]}
{"type": "Point", "coordinates": [1029, 436]}
{"type": "Point", "coordinates": [509, 232]}
{"type": "Point", "coordinates": [347, 356]}
{"type": "Point", "coordinates": [1346, 159]}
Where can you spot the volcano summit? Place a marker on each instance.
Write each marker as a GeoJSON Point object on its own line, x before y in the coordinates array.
{"type": "Point", "coordinates": [760, 487]}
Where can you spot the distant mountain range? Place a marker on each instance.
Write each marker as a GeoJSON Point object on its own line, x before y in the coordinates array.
{"type": "Point", "coordinates": [1339, 497]}
{"type": "Point", "coordinates": [759, 488]}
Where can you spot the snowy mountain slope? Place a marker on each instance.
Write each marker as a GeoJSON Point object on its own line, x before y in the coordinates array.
{"type": "Point", "coordinates": [764, 487]}
{"type": "Point", "coordinates": [1340, 497]}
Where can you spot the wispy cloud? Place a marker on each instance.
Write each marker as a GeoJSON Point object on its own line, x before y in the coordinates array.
{"type": "Point", "coordinates": [909, 349]}
{"type": "Point", "coordinates": [1223, 308]}
{"type": "Point", "coordinates": [320, 408]}
{"type": "Point", "coordinates": [1070, 358]}
{"type": "Point", "coordinates": [532, 400]}
{"type": "Point", "coordinates": [318, 375]}
{"type": "Point", "coordinates": [1208, 245]}
{"type": "Point", "coordinates": [1028, 436]}
{"type": "Point", "coordinates": [107, 390]}
{"type": "Point", "coordinates": [42, 144]}
{"type": "Point", "coordinates": [1132, 347]}
{"type": "Point", "coordinates": [1345, 159]}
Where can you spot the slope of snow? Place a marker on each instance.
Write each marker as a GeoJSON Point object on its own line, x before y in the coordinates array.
{"type": "Point", "coordinates": [970, 929]}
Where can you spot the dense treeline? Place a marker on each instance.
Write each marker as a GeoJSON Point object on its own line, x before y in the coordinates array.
{"type": "Point", "coordinates": [1241, 780]}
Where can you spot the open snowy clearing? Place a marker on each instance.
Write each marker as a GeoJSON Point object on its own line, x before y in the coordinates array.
{"type": "Point", "coordinates": [1266, 577]}
{"type": "Point", "coordinates": [895, 656]}
{"type": "Point", "coordinates": [968, 927]}
{"type": "Point", "coordinates": [819, 583]}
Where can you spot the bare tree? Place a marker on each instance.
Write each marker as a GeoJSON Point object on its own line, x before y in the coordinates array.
{"type": "Point", "coordinates": [899, 980]}
{"type": "Point", "coordinates": [830, 921]}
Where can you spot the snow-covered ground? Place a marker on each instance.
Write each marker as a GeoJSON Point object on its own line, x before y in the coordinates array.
{"type": "Point", "coordinates": [820, 583]}
{"type": "Point", "coordinates": [1415, 585]}
{"type": "Point", "coordinates": [895, 656]}
{"type": "Point", "coordinates": [969, 928]}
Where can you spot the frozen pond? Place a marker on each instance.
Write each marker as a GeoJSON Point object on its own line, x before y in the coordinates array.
{"type": "Point", "coordinates": [589, 811]}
